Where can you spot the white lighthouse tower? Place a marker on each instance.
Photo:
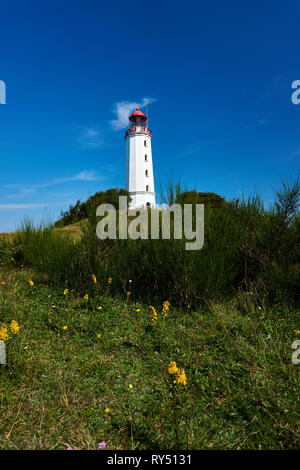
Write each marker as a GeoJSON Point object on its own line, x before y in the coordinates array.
{"type": "Point", "coordinates": [139, 168]}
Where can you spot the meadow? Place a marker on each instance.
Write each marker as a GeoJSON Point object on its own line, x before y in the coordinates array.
{"type": "Point", "coordinates": [142, 345]}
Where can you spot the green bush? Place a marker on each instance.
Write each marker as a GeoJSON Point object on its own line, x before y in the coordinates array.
{"type": "Point", "coordinates": [246, 247]}
{"type": "Point", "coordinates": [6, 252]}
{"type": "Point", "coordinates": [81, 210]}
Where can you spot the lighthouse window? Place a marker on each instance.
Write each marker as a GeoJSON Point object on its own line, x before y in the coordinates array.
{"type": "Point", "coordinates": [147, 188]}
{"type": "Point", "coordinates": [145, 143]}
{"type": "Point", "coordinates": [146, 158]}
{"type": "Point", "coordinates": [146, 172]}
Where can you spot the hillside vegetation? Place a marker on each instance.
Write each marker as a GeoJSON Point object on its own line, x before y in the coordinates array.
{"type": "Point", "coordinates": [84, 370]}
{"type": "Point", "coordinates": [140, 344]}
{"type": "Point", "coordinates": [246, 248]}
{"type": "Point", "coordinates": [81, 210]}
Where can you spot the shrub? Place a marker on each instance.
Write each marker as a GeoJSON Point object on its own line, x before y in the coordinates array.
{"type": "Point", "coordinates": [246, 247]}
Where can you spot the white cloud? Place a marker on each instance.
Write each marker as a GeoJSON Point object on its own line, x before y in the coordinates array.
{"type": "Point", "coordinates": [25, 190]}
{"type": "Point", "coordinates": [82, 176]}
{"type": "Point", "coordinates": [260, 122]}
{"type": "Point", "coordinates": [29, 206]}
{"type": "Point", "coordinates": [90, 137]}
{"type": "Point", "coordinates": [187, 153]}
{"type": "Point", "coordinates": [122, 110]}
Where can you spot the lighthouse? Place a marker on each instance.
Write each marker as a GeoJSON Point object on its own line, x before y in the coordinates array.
{"type": "Point", "coordinates": [139, 167]}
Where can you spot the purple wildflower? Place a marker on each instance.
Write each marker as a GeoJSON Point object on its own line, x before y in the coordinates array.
{"type": "Point", "coordinates": [102, 445]}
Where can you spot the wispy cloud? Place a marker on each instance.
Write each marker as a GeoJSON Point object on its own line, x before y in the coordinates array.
{"type": "Point", "coordinates": [82, 176]}
{"type": "Point", "coordinates": [122, 110]}
{"type": "Point", "coordinates": [259, 123]}
{"type": "Point", "coordinates": [24, 190]}
{"type": "Point", "coordinates": [187, 153]}
{"type": "Point", "coordinates": [102, 134]}
{"type": "Point", "coordinates": [90, 137]}
{"type": "Point", "coordinates": [30, 206]}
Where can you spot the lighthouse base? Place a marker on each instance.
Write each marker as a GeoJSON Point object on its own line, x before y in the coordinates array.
{"type": "Point", "coordinates": [142, 199]}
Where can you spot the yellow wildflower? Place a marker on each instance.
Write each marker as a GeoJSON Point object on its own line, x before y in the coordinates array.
{"type": "Point", "coordinates": [107, 410]}
{"type": "Point", "coordinates": [165, 309]}
{"type": "Point", "coordinates": [53, 306]}
{"type": "Point", "coordinates": [130, 386]}
{"type": "Point", "coordinates": [109, 280]}
{"type": "Point", "coordinates": [14, 327]}
{"type": "Point", "coordinates": [153, 314]}
{"type": "Point", "coordinates": [172, 368]}
{"type": "Point", "coordinates": [66, 291]}
{"type": "Point", "coordinates": [86, 297]}
{"type": "Point", "coordinates": [12, 259]}
{"type": "Point", "coordinates": [30, 282]}
{"type": "Point", "coordinates": [99, 308]}
{"type": "Point", "coordinates": [138, 309]}
{"type": "Point", "coordinates": [26, 347]}
{"type": "Point", "coordinates": [65, 327]}
{"type": "Point", "coordinates": [128, 293]}
{"type": "Point", "coordinates": [4, 336]}
{"type": "Point", "coordinates": [99, 335]}
{"type": "Point", "coordinates": [181, 377]}
{"type": "Point", "coordinates": [297, 332]}
{"type": "Point", "coordinates": [94, 279]}
{"type": "Point", "coordinates": [3, 283]}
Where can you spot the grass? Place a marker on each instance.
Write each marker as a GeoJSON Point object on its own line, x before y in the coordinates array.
{"type": "Point", "coordinates": [8, 236]}
{"type": "Point", "coordinates": [72, 230]}
{"type": "Point", "coordinates": [242, 387]}
{"type": "Point", "coordinates": [246, 246]}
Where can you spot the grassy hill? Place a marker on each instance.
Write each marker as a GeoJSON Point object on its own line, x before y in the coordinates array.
{"type": "Point", "coordinates": [73, 230]}
{"type": "Point", "coordinates": [83, 371]}
{"type": "Point", "coordinates": [8, 236]}
{"type": "Point", "coordinates": [99, 323]}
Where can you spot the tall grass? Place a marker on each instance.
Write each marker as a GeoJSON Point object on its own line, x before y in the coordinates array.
{"type": "Point", "coordinates": [52, 252]}
{"type": "Point", "coordinates": [247, 247]}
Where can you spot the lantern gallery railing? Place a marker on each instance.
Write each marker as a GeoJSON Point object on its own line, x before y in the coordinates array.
{"type": "Point", "coordinates": [134, 130]}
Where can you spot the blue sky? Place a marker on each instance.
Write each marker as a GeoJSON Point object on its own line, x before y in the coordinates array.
{"type": "Point", "coordinates": [217, 77]}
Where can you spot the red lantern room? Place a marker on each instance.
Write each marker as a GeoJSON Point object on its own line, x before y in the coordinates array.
{"type": "Point", "coordinates": [138, 118]}
{"type": "Point", "coordinates": [138, 122]}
